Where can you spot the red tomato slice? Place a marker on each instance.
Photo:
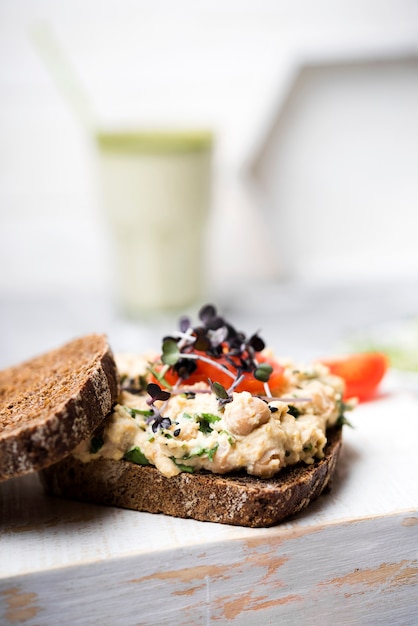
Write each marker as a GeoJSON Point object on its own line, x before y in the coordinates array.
{"type": "Point", "coordinates": [362, 373]}
{"type": "Point", "coordinates": [205, 371]}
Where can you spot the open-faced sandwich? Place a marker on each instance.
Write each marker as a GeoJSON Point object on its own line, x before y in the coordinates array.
{"type": "Point", "coordinates": [213, 427]}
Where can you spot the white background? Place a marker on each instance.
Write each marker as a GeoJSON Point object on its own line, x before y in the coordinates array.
{"type": "Point", "coordinates": [343, 165]}
{"type": "Point", "coordinates": [315, 110]}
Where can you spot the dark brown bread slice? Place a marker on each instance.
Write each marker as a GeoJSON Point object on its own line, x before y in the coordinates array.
{"type": "Point", "coordinates": [52, 402]}
{"type": "Point", "coordinates": [237, 499]}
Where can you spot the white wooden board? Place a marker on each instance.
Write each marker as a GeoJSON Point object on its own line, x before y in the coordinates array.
{"type": "Point", "coordinates": [351, 558]}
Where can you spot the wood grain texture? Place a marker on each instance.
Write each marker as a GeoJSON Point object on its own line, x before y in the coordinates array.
{"type": "Point", "coordinates": [348, 573]}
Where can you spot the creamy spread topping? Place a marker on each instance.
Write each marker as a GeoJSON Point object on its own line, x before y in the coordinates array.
{"type": "Point", "coordinates": [217, 400]}
{"type": "Point", "coordinates": [248, 433]}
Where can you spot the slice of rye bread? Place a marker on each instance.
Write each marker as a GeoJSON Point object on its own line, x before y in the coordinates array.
{"type": "Point", "coordinates": [50, 403]}
{"type": "Point", "coordinates": [237, 499]}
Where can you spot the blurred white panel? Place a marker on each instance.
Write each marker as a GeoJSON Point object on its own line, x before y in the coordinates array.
{"type": "Point", "coordinates": [338, 171]}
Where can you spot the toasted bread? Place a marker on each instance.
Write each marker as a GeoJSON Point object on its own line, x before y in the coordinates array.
{"type": "Point", "coordinates": [237, 498]}
{"type": "Point", "coordinates": [52, 402]}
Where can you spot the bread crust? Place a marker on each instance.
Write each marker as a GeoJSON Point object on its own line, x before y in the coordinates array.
{"type": "Point", "coordinates": [49, 404]}
{"type": "Point", "coordinates": [237, 499]}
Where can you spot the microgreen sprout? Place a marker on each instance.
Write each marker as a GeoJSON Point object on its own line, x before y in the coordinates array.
{"type": "Point", "coordinates": [216, 342]}
{"type": "Point", "coordinates": [156, 419]}
{"type": "Point", "coordinates": [262, 372]}
{"type": "Point", "coordinates": [221, 394]}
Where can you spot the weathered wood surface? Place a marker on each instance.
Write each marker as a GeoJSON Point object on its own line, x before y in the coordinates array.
{"type": "Point", "coordinates": [351, 558]}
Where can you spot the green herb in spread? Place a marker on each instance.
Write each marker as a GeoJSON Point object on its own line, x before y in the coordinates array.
{"type": "Point", "coordinates": [293, 410]}
{"type": "Point", "coordinates": [95, 444]}
{"type": "Point", "coordinates": [135, 455]}
{"type": "Point", "coordinates": [133, 412]}
{"type": "Point", "coordinates": [209, 452]}
{"type": "Point", "coordinates": [182, 467]}
{"type": "Point", "coordinates": [342, 420]}
{"type": "Point", "coordinates": [230, 438]}
{"type": "Point", "coordinates": [205, 420]}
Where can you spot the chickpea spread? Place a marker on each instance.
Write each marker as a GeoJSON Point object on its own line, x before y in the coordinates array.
{"type": "Point", "coordinates": [198, 431]}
